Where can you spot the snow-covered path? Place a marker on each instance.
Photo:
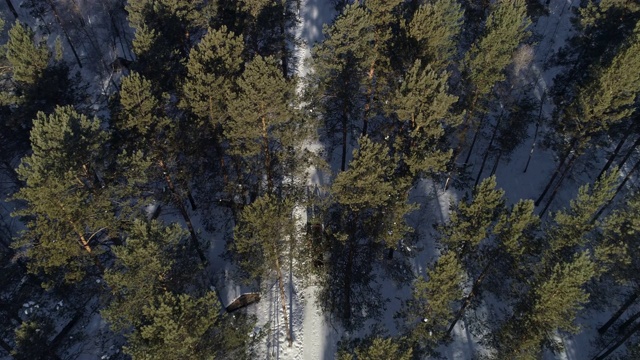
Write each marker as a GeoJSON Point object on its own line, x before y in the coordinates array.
{"type": "Point", "coordinates": [318, 338]}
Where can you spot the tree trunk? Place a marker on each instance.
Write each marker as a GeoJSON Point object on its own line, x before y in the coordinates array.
{"type": "Point", "coordinates": [369, 95]}
{"type": "Point", "coordinates": [283, 300]}
{"type": "Point", "coordinates": [495, 164]}
{"type": "Point", "coordinates": [556, 173]}
{"type": "Point", "coordinates": [12, 9]}
{"type": "Point", "coordinates": [64, 31]}
{"type": "Point", "coordinates": [555, 190]}
{"type": "Point", "coordinates": [267, 154]}
{"type": "Point", "coordinates": [618, 189]}
{"type": "Point", "coordinates": [615, 153]}
{"type": "Point", "coordinates": [283, 46]}
{"type": "Point", "coordinates": [183, 211]}
{"type": "Point", "coordinates": [535, 135]}
{"type": "Point", "coordinates": [345, 121]}
{"type": "Point", "coordinates": [603, 329]}
{"type": "Point", "coordinates": [390, 254]}
{"type": "Point", "coordinates": [486, 153]}
{"type": "Point", "coordinates": [473, 142]}
{"type": "Point", "coordinates": [347, 282]}
{"type": "Point", "coordinates": [192, 201]}
{"type": "Point", "coordinates": [629, 153]}
{"type": "Point", "coordinates": [472, 294]}
{"type": "Point", "coordinates": [620, 341]}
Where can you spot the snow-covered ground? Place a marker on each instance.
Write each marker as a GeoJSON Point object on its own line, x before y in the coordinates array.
{"type": "Point", "coordinates": [313, 336]}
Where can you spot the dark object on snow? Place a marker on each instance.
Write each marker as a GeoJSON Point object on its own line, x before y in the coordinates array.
{"type": "Point", "coordinates": [243, 300]}
{"type": "Point", "coordinates": [120, 64]}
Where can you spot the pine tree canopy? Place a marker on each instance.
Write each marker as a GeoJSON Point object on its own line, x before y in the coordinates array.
{"type": "Point", "coordinates": [213, 67]}
{"type": "Point", "coordinates": [67, 203]}
{"type": "Point", "coordinates": [144, 269]}
{"type": "Point", "coordinates": [368, 181]}
{"type": "Point", "coordinates": [28, 59]}
{"type": "Point", "coordinates": [262, 235]}
{"type": "Point", "coordinates": [436, 27]}
{"type": "Point", "coordinates": [470, 222]}
{"type": "Point", "coordinates": [488, 58]}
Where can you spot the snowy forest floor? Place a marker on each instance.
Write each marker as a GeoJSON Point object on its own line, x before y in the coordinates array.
{"type": "Point", "coordinates": [314, 335]}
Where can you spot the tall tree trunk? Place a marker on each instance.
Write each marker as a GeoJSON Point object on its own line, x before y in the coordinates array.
{"type": "Point", "coordinates": [630, 300]}
{"type": "Point", "coordinates": [183, 211]}
{"type": "Point", "coordinates": [369, 95]}
{"type": "Point", "coordinates": [283, 46]}
{"type": "Point", "coordinates": [64, 31]}
{"type": "Point", "coordinates": [12, 9]}
{"type": "Point", "coordinates": [472, 294]}
{"type": "Point", "coordinates": [267, 154]}
{"type": "Point", "coordinates": [620, 341]}
{"type": "Point", "coordinates": [557, 172]}
{"type": "Point", "coordinates": [555, 190]}
{"type": "Point", "coordinates": [345, 121]}
{"type": "Point", "coordinates": [283, 300]}
{"type": "Point", "coordinates": [495, 164]}
{"type": "Point", "coordinates": [629, 153]}
{"type": "Point", "coordinates": [615, 153]}
{"type": "Point", "coordinates": [618, 189]}
{"type": "Point", "coordinates": [347, 281]}
{"type": "Point", "coordinates": [474, 140]}
{"type": "Point", "coordinates": [462, 139]}
{"type": "Point", "coordinates": [535, 135]}
{"type": "Point", "coordinates": [486, 153]}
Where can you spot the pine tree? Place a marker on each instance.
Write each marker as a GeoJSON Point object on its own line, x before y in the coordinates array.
{"type": "Point", "coordinates": [572, 228]}
{"type": "Point", "coordinates": [608, 99]}
{"type": "Point", "coordinates": [162, 37]}
{"type": "Point", "coordinates": [262, 240]}
{"type": "Point", "coordinates": [66, 204]}
{"type": "Point", "coordinates": [380, 348]}
{"type": "Point", "coordinates": [28, 59]}
{"type": "Point", "coordinates": [32, 340]}
{"type": "Point", "coordinates": [486, 63]}
{"type": "Point", "coordinates": [263, 128]}
{"type": "Point", "coordinates": [212, 69]}
{"type": "Point", "coordinates": [340, 70]}
{"type": "Point", "coordinates": [436, 27]}
{"type": "Point", "coordinates": [180, 327]}
{"type": "Point", "coordinates": [551, 305]}
{"type": "Point", "coordinates": [383, 18]}
{"type": "Point", "coordinates": [471, 221]}
{"type": "Point", "coordinates": [423, 104]}
{"type": "Point", "coordinates": [144, 269]}
{"type": "Point", "coordinates": [490, 56]}
{"type": "Point", "coordinates": [150, 139]}
{"type": "Point", "coordinates": [428, 313]}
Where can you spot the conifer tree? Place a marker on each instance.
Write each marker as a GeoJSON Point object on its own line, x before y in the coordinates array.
{"type": "Point", "coordinates": [608, 99]}
{"type": "Point", "coordinates": [486, 63]}
{"type": "Point", "coordinates": [262, 240]}
{"type": "Point", "coordinates": [66, 203]}
{"type": "Point", "coordinates": [369, 189]}
{"type": "Point", "coordinates": [145, 267]}
{"type": "Point", "coordinates": [263, 129]}
{"type": "Point", "coordinates": [149, 138]}
{"type": "Point", "coordinates": [424, 106]}
{"type": "Point", "coordinates": [28, 59]}
{"type": "Point", "coordinates": [380, 348]}
{"type": "Point", "coordinates": [383, 18]}
{"type": "Point", "coordinates": [162, 37]}
{"type": "Point", "coordinates": [551, 305]}
{"type": "Point", "coordinates": [340, 70]}
{"type": "Point", "coordinates": [212, 69]}
{"type": "Point", "coordinates": [436, 27]}
{"type": "Point", "coordinates": [471, 221]}
{"type": "Point", "coordinates": [428, 313]}
{"type": "Point", "coordinates": [32, 340]}
{"type": "Point", "coordinates": [181, 327]}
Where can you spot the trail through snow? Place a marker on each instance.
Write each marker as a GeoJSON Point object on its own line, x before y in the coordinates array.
{"type": "Point", "coordinates": [318, 338]}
